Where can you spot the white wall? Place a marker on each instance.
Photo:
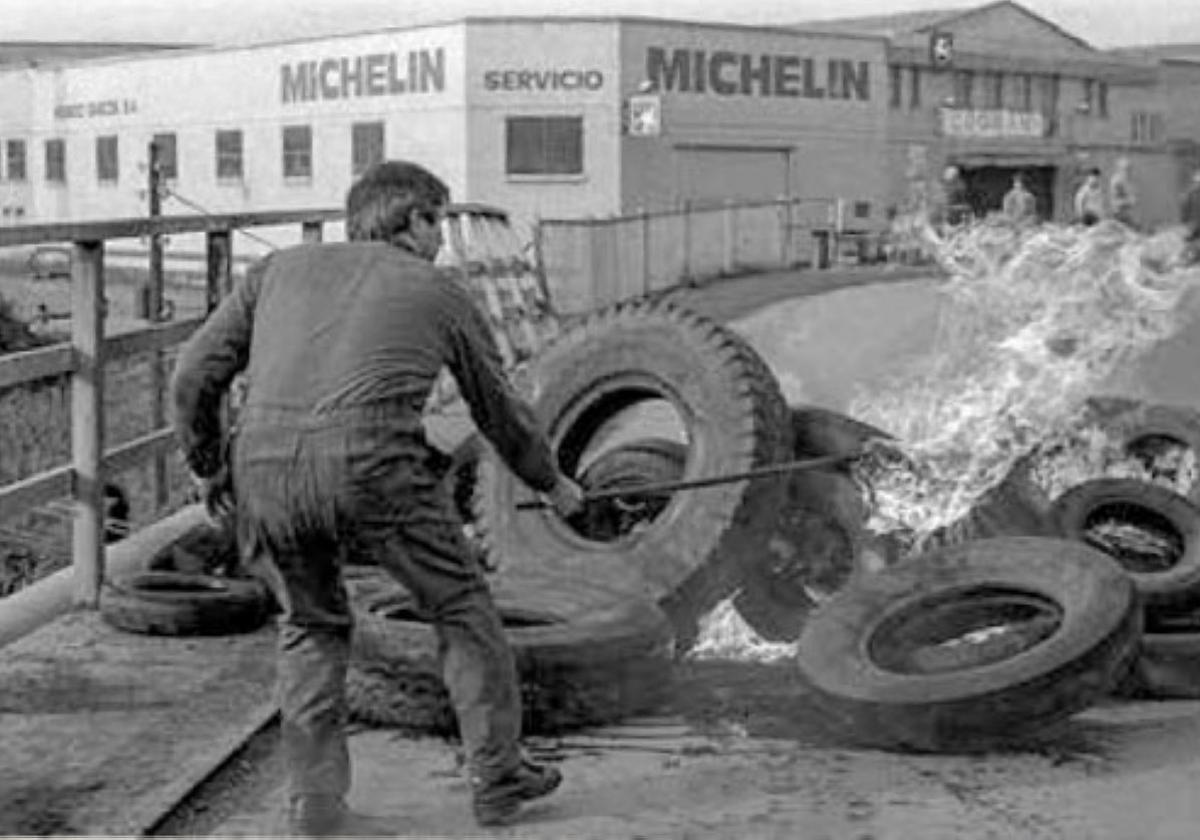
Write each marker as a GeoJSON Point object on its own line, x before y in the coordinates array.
{"type": "Point", "coordinates": [554, 69]}
{"type": "Point", "coordinates": [194, 94]}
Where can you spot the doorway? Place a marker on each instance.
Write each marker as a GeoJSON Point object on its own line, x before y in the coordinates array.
{"type": "Point", "coordinates": [987, 185]}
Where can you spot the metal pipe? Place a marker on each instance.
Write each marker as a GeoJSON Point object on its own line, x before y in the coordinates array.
{"type": "Point", "coordinates": [45, 600]}
{"type": "Point", "coordinates": [709, 481]}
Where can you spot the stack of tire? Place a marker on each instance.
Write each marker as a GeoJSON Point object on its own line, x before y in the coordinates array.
{"type": "Point", "coordinates": [1154, 533]}
{"type": "Point", "coordinates": [618, 590]}
{"type": "Point", "coordinates": [987, 639]}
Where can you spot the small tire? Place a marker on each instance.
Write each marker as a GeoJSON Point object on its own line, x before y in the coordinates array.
{"type": "Point", "coordinates": [180, 604]}
{"type": "Point", "coordinates": [946, 698]}
{"type": "Point", "coordinates": [1140, 425]}
{"type": "Point", "coordinates": [1175, 588]}
{"type": "Point", "coordinates": [819, 542]}
{"type": "Point", "coordinates": [585, 656]}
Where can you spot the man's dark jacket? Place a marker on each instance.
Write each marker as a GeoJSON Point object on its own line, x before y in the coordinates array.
{"type": "Point", "coordinates": [322, 330]}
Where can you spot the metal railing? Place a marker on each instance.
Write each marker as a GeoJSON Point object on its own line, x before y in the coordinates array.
{"type": "Point", "coordinates": [594, 262]}
{"type": "Point", "coordinates": [82, 360]}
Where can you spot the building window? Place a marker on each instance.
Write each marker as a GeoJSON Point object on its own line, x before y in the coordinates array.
{"type": "Point", "coordinates": [229, 155]}
{"type": "Point", "coordinates": [544, 145]}
{"type": "Point", "coordinates": [1024, 88]}
{"type": "Point", "coordinates": [16, 160]}
{"type": "Point", "coordinates": [914, 87]}
{"type": "Point", "coordinates": [168, 160]}
{"type": "Point", "coordinates": [993, 90]}
{"type": "Point", "coordinates": [1102, 100]}
{"type": "Point", "coordinates": [1147, 127]}
{"type": "Point", "coordinates": [896, 85]}
{"type": "Point", "coordinates": [297, 151]}
{"type": "Point", "coordinates": [106, 158]}
{"type": "Point", "coordinates": [366, 146]}
{"type": "Point", "coordinates": [964, 83]}
{"type": "Point", "coordinates": [56, 161]}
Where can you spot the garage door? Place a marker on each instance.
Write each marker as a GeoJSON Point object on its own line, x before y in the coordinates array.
{"type": "Point", "coordinates": [741, 174]}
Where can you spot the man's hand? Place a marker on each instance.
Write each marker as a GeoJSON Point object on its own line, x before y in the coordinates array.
{"type": "Point", "coordinates": [566, 496]}
{"type": "Point", "coordinates": [216, 492]}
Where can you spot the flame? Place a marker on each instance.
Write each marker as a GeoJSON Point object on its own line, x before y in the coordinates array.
{"type": "Point", "coordinates": [1036, 320]}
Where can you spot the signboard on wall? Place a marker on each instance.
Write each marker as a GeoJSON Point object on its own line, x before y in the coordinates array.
{"type": "Point", "coordinates": [941, 49]}
{"type": "Point", "coordinates": [645, 115]}
{"type": "Point", "coordinates": [988, 124]}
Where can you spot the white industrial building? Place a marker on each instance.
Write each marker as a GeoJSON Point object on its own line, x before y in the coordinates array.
{"type": "Point", "coordinates": [528, 114]}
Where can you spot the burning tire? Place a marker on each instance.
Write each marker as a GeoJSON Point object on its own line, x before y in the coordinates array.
{"type": "Point", "coordinates": [963, 648]}
{"type": "Point", "coordinates": [691, 555]}
{"type": "Point", "coordinates": [1152, 532]}
{"type": "Point", "coordinates": [818, 544]}
{"type": "Point", "coordinates": [585, 656]}
{"type": "Point", "coordinates": [1151, 431]}
{"type": "Point", "coordinates": [180, 604]}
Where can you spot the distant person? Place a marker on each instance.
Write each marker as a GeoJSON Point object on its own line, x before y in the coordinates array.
{"type": "Point", "coordinates": [1189, 215]}
{"type": "Point", "coordinates": [955, 197]}
{"type": "Point", "coordinates": [1020, 206]}
{"type": "Point", "coordinates": [1089, 199]}
{"type": "Point", "coordinates": [1122, 198]}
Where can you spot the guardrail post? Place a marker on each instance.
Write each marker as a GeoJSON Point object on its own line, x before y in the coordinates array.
{"type": "Point", "coordinates": [686, 239]}
{"type": "Point", "coordinates": [218, 278]}
{"type": "Point", "coordinates": [729, 217]}
{"type": "Point", "coordinates": [312, 231]}
{"type": "Point", "coordinates": [646, 280]}
{"type": "Point", "coordinates": [785, 232]}
{"type": "Point", "coordinates": [87, 420]}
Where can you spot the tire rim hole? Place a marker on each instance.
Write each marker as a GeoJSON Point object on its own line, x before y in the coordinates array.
{"type": "Point", "coordinates": [1142, 540]}
{"type": "Point", "coordinates": [628, 437]}
{"type": "Point", "coordinates": [962, 630]}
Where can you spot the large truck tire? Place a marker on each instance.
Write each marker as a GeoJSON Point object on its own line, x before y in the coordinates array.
{"type": "Point", "coordinates": [970, 646]}
{"type": "Point", "coordinates": [1161, 554]}
{"type": "Point", "coordinates": [692, 554]}
{"type": "Point", "coordinates": [585, 656]}
{"type": "Point", "coordinates": [1167, 668]}
{"type": "Point", "coordinates": [181, 604]}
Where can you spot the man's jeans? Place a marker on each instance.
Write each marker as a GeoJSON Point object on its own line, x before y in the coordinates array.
{"type": "Point", "coordinates": [314, 491]}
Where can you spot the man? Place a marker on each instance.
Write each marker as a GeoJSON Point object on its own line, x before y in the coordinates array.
{"type": "Point", "coordinates": [1189, 216]}
{"type": "Point", "coordinates": [1121, 196]}
{"type": "Point", "coordinates": [1020, 207]}
{"type": "Point", "coordinates": [956, 197]}
{"type": "Point", "coordinates": [1089, 199]}
{"type": "Point", "coordinates": [341, 344]}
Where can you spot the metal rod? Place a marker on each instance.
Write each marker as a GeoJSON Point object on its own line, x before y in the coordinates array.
{"type": "Point", "coordinates": [692, 483]}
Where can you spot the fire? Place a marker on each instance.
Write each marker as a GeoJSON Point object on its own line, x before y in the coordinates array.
{"type": "Point", "coordinates": [1036, 321]}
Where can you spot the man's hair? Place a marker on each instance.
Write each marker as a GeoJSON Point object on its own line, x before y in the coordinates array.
{"type": "Point", "coordinates": [379, 203]}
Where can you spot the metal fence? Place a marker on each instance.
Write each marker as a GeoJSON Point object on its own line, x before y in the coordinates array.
{"type": "Point", "coordinates": [598, 261]}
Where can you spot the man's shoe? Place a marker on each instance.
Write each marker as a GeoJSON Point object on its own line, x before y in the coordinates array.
{"type": "Point", "coordinates": [316, 815]}
{"type": "Point", "coordinates": [499, 801]}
